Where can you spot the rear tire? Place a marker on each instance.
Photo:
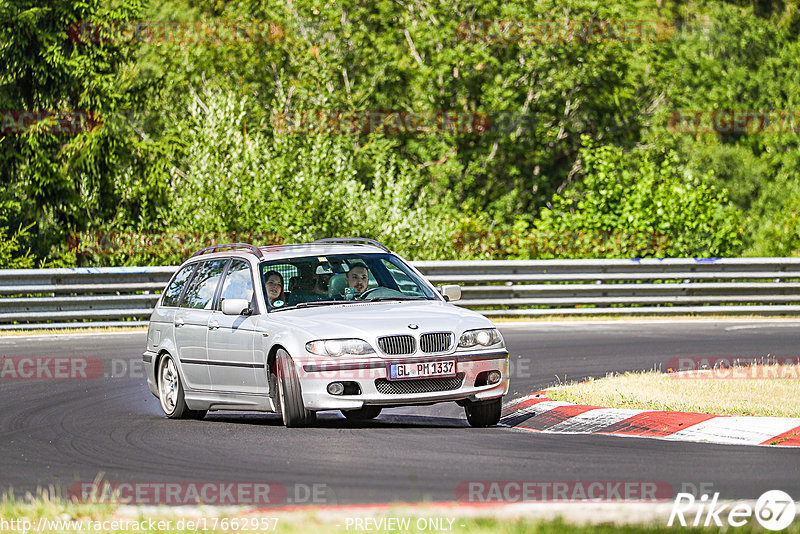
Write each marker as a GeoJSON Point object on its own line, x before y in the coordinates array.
{"type": "Point", "coordinates": [170, 391]}
{"type": "Point", "coordinates": [484, 413]}
{"type": "Point", "coordinates": [362, 414]}
{"type": "Point", "coordinates": [290, 395]}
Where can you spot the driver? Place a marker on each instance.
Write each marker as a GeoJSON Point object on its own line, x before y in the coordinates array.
{"type": "Point", "coordinates": [358, 278]}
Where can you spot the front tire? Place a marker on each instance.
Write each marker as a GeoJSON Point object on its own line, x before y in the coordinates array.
{"type": "Point", "coordinates": [290, 395]}
{"type": "Point", "coordinates": [362, 414]}
{"type": "Point", "coordinates": [170, 392]}
{"type": "Point", "coordinates": [485, 413]}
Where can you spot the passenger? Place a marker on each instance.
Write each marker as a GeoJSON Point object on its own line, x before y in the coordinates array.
{"type": "Point", "coordinates": [274, 283]}
{"type": "Point", "coordinates": [358, 278]}
{"type": "Point", "coordinates": [321, 287]}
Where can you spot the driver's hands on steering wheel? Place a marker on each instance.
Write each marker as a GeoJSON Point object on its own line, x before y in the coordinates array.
{"type": "Point", "coordinates": [363, 295]}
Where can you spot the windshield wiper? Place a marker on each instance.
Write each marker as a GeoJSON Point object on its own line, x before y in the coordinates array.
{"type": "Point", "coordinates": [312, 303]}
{"type": "Point", "coordinates": [384, 299]}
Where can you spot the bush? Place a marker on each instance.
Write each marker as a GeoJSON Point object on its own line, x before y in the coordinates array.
{"type": "Point", "coordinates": [297, 187]}
{"type": "Point", "coordinates": [637, 204]}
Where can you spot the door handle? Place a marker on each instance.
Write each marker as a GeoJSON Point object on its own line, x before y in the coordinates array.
{"type": "Point", "coordinates": [179, 322]}
{"type": "Point", "coordinates": [213, 325]}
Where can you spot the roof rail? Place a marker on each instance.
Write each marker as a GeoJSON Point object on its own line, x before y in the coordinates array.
{"type": "Point", "coordinates": [363, 240]}
{"type": "Point", "coordinates": [214, 248]}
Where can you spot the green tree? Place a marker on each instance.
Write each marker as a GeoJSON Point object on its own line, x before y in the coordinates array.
{"type": "Point", "coordinates": [638, 204]}
{"type": "Point", "coordinates": [62, 182]}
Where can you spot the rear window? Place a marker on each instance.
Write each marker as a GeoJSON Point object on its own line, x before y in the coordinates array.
{"type": "Point", "coordinates": [173, 291]}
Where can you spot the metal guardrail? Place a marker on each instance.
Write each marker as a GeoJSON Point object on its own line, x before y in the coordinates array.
{"type": "Point", "coordinates": [111, 296]}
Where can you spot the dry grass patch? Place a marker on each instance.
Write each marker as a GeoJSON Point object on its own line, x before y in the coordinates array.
{"type": "Point", "coordinates": [731, 392]}
{"type": "Point", "coordinates": [63, 331]}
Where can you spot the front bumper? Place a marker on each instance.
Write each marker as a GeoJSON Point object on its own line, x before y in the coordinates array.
{"type": "Point", "coordinates": [315, 377]}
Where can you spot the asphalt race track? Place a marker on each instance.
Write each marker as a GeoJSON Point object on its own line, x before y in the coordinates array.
{"type": "Point", "coordinates": [54, 433]}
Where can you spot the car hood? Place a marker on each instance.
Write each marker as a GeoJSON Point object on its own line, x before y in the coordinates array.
{"type": "Point", "coordinates": [371, 320]}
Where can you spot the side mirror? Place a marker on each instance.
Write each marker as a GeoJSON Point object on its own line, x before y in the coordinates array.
{"type": "Point", "coordinates": [450, 292]}
{"type": "Point", "coordinates": [236, 307]}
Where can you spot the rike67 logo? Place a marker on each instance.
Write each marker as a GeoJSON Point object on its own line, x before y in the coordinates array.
{"type": "Point", "coordinates": [774, 510]}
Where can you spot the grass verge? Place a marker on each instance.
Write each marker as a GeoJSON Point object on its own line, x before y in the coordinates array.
{"type": "Point", "coordinates": [45, 515]}
{"type": "Point", "coordinates": [730, 391]}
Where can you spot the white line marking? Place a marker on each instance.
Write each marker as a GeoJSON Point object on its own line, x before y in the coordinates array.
{"type": "Point", "coordinates": [736, 430]}
{"type": "Point", "coordinates": [770, 325]}
{"type": "Point", "coordinates": [593, 420]}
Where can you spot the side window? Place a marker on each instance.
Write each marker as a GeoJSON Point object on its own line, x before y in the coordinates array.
{"type": "Point", "coordinates": [200, 293]}
{"type": "Point", "coordinates": [173, 292]}
{"type": "Point", "coordinates": [238, 283]}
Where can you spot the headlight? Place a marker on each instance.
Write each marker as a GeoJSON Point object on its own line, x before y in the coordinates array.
{"type": "Point", "coordinates": [485, 337]}
{"type": "Point", "coordinates": [339, 347]}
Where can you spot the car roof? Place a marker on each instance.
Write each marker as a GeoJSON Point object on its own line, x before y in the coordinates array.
{"type": "Point", "coordinates": [286, 251]}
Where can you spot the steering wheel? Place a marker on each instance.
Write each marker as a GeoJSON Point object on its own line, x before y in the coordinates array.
{"type": "Point", "coordinates": [389, 292]}
{"type": "Point", "coordinates": [363, 295]}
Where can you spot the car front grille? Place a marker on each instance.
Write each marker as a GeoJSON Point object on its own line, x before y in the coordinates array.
{"type": "Point", "coordinates": [418, 385]}
{"type": "Point", "coordinates": [396, 345]}
{"type": "Point", "coordinates": [436, 342]}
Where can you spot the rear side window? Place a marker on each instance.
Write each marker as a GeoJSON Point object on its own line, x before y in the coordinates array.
{"type": "Point", "coordinates": [173, 292]}
{"type": "Point", "coordinates": [200, 293]}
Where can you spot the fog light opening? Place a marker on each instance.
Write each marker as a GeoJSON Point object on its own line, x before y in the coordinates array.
{"type": "Point", "coordinates": [335, 388]}
{"type": "Point", "coordinates": [494, 377]}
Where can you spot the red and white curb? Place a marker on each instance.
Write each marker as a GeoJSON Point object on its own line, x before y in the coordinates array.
{"type": "Point", "coordinates": [537, 413]}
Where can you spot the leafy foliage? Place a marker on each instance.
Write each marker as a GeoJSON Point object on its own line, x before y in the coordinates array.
{"type": "Point", "coordinates": [642, 203]}
{"type": "Point", "coordinates": [579, 160]}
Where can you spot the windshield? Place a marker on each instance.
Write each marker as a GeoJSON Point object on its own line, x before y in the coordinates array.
{"type": "Point", "coordinates": [338, 279]}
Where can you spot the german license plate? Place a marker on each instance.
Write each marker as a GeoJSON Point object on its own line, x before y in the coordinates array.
{"type": "Point", "coordinates": [399, 371]}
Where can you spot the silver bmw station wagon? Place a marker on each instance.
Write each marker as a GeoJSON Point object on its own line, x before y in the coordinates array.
{"type": "Point", "coordinates": [337, 324]}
